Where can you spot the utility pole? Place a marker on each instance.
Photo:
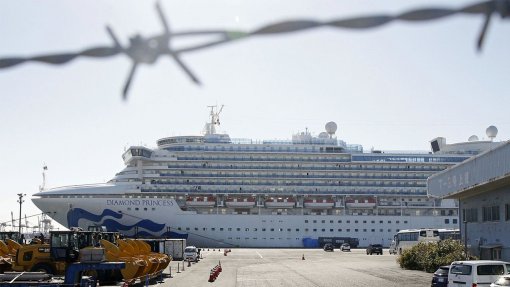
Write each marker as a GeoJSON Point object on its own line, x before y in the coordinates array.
{"type": "Point", "coordinates": [20, 200]}
{"type": "Point", "coordinates": [465, 238]}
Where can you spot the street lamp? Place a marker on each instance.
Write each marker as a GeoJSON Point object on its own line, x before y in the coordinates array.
{"type": "Point", "coordinates": [465, 239]}
{"type": "Point", "coordinates": [20, 200]}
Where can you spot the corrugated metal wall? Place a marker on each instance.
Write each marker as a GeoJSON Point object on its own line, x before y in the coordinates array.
{"type": "Point", "coordinates": [483, 168]}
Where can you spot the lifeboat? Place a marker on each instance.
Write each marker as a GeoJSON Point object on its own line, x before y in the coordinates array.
{"type": "Point", "coordinates": [280, 202]}
{"type": "Point", "coordinates": [200, 201]}
{"type": "Point", "coordinates": [366, 202]}
{"type": "Point", "coordinates": [319, 203]}
{"type": "Point", "coordinates": [238, 202]}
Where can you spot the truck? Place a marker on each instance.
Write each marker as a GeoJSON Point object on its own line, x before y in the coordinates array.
{"type": "Point", "coordinates": [171, 247]}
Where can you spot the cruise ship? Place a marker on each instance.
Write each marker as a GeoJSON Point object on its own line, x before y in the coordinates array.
{"type": "Point", "coordinates": [217, 191]}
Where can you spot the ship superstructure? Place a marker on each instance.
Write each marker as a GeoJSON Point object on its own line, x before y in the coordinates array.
{"type": "Point", "coordinates": [218, 191]}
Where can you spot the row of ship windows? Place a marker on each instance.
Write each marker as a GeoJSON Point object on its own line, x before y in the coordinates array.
{"type": "Point", "coordinates": [274, 238]}
{"type": "Point", "coordinates": [289, 190]}
{"type": "Point", "coordinates": [281, 229]}
{"type": "Point", "coordinates": [253, 148]}
{"type": "Point", "coordinates": [343, 163]}
{"type": "Point", "coordinates": [446, 221]}
{"type": "Point", "coordinates": [339, 175]}
{"type": "Point", "coordinates": [255, 229]}
{"type": "Point", "coordinates": [295, 166]}
{"type": "Point", "coordinates": [356, 221]}
{"type": "Point", "coordinates": [290, 182]}
{"type": "Point", "coordinates": [317, 157]}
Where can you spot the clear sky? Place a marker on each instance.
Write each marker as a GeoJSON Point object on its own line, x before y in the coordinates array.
{"type": "Point", "coordinates": [392, 88]}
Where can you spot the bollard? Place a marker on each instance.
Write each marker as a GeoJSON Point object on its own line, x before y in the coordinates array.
{"type": "Point", "coordinates": [170, 269]}
{"type": "Point", "coordinates": [303, 258]}
{"type": "Point", "coordinates": [178, 268]}
{"type": "Point", "coordinates": [189, 263]}
{"type": "Point", "coordinates": [182, 265]}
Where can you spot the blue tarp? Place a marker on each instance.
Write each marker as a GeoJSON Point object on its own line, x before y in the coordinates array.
{"type": "Point", "coordinates": [310, 243]}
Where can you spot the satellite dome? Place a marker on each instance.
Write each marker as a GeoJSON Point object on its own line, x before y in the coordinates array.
{"type": "Point", "coordinates": [473, 138]}
{"type": "Point", "coordinates": [331, 128]}
{"type": "Point", "coordinates": [491, 132]}
{"type": "Point", "coordinates": [323, 135]}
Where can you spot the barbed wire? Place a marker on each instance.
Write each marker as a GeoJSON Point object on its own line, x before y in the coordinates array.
{"type": "Point", "coordinates": [147, 50]}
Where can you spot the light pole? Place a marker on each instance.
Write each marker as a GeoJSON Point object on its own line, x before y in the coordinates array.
{"type": "Point", "coordinates": [465, 239]}
{"type": "Point", "coordinates": [20, 200]}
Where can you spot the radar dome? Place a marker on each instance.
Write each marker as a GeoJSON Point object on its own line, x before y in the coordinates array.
{"type": "Point", "coordinates": [473, 138]}
{"type": "Point", "coordinates": [331, 128]}
{"type": "Point", "coordinates": [323, 135]}
{"type": "Point", "coordinates": [491, 132]}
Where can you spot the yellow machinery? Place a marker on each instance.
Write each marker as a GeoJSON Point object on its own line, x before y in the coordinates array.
{"type": "Point", "coordinates": [145, 249]}
{"type": "Point", "coordinates": [135, 267]}
{"type": "Point", "coordinates": [66, 247]}
{"type": "Point", "coordinates": [51, 258]}
{"type": "Point", "coordinates": [8, 248]}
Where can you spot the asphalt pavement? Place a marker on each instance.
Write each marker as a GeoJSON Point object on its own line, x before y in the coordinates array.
{"type": "Point", "coordinates": [286, 267]}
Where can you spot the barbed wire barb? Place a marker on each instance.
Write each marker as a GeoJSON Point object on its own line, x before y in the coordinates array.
{"type": "Point", "coordinates": [147, 50]}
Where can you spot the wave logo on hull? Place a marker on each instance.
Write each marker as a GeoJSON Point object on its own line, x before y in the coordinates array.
{"type": "Point", "coordinates": [75, 214]}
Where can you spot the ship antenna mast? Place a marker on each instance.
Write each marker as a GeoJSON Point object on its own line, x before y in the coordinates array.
{"type": "Point", "coordinates": [43, 186]}
{"type": "Point", "coordinates": [210, 128]}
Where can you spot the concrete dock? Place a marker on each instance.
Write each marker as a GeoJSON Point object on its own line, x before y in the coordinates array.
{"type": "Point", "coordinates": [286, 267]}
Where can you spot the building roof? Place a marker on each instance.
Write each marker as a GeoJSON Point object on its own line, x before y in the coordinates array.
{"type": "Point", "coordinates": [487, 171]}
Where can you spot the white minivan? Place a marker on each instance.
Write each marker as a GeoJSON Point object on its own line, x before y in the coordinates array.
{"type": "Point", "coordinates": [476, 273]}
{"type": "Point", "coordinates": [191, 253]}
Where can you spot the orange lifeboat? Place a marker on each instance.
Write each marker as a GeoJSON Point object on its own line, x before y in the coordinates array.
{"type": "Point", "coordinates": [201, 201]}
{"type": "Point", "coordinates": [319, 203]}
{"type": "Point", "coordinates": [280, 202]}
{"type": "Point", "coordinates": [365, 202]}
{"type": "Point", "coordinates": [240, 202]}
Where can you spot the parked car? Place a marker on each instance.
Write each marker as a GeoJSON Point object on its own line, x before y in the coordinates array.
{"type": "Point", "coordinates": [345, 247]}
{"type": "Point", "coordinates": [191, 253]}
{"type": "Point", "coordinates": [476, 272]}
{"type": "Point", "coordinates": [503, 280]}
{"type": "Point", "coordinates": [374, 248]}
{"type": "Point", "coordinates": [440, 277]}
{"type": "Point", "coordinates": [329, 247]}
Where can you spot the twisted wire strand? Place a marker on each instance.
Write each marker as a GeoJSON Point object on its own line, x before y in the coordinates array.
{"type": "Point", "coordinates": [139, 52]}
{"type": "Point", "coordinates": [365, 22]}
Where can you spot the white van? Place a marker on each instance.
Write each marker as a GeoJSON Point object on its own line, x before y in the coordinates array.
{"type": "Point", "coordinates": [476, 273]}
{"type": "Point", "coordinates": [191, 253]}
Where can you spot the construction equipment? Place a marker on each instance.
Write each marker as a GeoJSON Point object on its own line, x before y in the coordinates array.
{"type": "Point", "coordinates": [7, 250]}
{"type": "Point", "coordinates": [76, 245]}
{"type": "Point", "coordinates": [64, 249]}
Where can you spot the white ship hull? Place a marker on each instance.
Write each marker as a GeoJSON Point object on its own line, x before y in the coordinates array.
{"type": "Point", "coordinates": [163, 217]}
